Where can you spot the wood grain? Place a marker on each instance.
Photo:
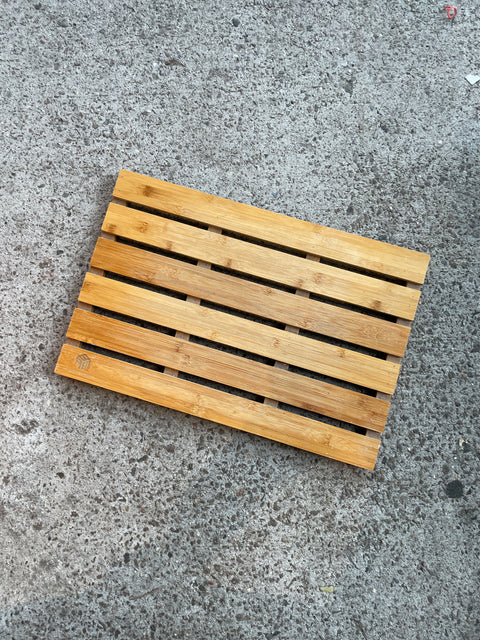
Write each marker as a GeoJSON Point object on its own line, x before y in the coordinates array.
{"type": "Point", "coordinates": [257, 299]}
{"type": "Point", "coordinates": [218, 406]}
{"type": "Point", "coordinates": [238, 255]}
{"type": "Point", "coordinates": [307, 237]}
{"type": "Point", "coordinates": [233, 331]}
{"type": "Point", "coordinates": [226, 368]}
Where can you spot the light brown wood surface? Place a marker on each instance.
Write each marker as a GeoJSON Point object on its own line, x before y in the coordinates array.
{"type": "Point", "coordinates": [244, 257]}
{"type": "Point", "coordinates": [265, 294]}
{"type": "Point", "coordinates": [251, 297]}
{"type": "Point", "coordinates": [240, 333]}
{"type": "Point", "coordinates": [274, 227]}
{"type": "Point", "coordinates": [226, 368]}
{"type": "Point", "coordinates": [219, 406]}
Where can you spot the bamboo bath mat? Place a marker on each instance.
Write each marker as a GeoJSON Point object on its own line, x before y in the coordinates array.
{"type": "Point", "coordinates": [262, 322]}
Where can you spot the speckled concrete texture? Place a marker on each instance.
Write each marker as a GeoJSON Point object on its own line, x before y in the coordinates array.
{"type": "Point", "coordinates": [120, 519]}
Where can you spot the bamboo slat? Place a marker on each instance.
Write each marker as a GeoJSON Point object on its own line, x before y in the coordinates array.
{"type": "Point", "coordinates": [329, 243]}
{"type": "Point", "coordinates": [218, 406]}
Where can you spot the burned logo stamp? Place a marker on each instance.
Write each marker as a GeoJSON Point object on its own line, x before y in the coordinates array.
{"type": "Point", "coordinates": [82, 361]}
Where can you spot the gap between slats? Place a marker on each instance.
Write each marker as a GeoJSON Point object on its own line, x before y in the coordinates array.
{"type": "Point", "coordinates": [341, 246]}
{"type": "Point", "coordinates": [324, 320]}
{"type": "Point", "coordinates": [210, 404]}
{"type": "Point", "coordinates": [318, 356]}
{"type": "Point", "coordinates": [247, 258]}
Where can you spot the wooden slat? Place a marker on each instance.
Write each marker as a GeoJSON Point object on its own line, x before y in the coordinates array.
{"type": "Point", "coordinates": [329, 243]}
{"type": "Point", "coordinates": [226, 368]}
{"type": "Point", "coordinates": [238, 255]}
{"type": "Point", "coordinates": [250, 297]}
{"type": "Point", "coordinates": [254, 337]}
{"type": "Point", "coordinates": [218, 406]}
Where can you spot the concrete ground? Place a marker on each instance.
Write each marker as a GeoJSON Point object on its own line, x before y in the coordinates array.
{"type": "Point", "coordinates": [120, 519]}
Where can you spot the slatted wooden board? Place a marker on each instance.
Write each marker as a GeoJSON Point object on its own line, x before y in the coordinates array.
{"type": "Point", "coordinates": [253, 319]}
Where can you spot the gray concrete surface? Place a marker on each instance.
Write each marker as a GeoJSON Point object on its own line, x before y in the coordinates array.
{"type": "Point", "coordinates": [123, 520]}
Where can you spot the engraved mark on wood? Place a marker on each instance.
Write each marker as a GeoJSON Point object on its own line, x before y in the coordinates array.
{"type": "Point", "coordinates": [83, 361]}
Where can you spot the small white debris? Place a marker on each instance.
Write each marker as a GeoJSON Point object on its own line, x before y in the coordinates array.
{"type": "Point", "coordinates": [472, 79]}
